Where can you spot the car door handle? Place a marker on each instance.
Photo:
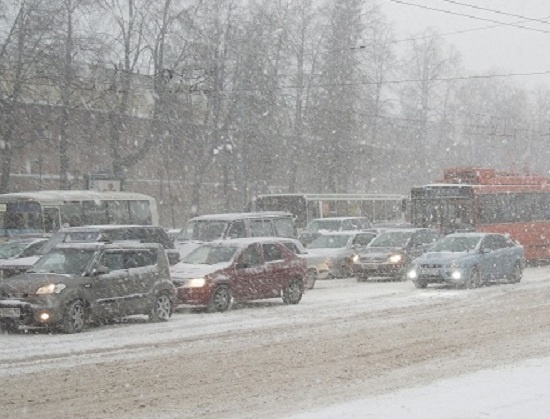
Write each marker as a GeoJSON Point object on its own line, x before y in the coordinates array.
{"type": "Point", "coordinates": [87, 285]}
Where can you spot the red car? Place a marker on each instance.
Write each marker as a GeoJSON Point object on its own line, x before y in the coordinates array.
{"type": "Point", "coordinates": [219, 273]}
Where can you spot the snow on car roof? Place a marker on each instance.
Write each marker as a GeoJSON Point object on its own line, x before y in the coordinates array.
{"type": "Point", "coordinates": [342, 233]}
{"type": "Point", "coordinates": [470, 234]}
{"type": "Point", "coordinates": [239, 215]}
{"type": "Point", "coordinates": [249, 240]}
{"type": "Point", "coordinates": [103, 227]}
{"type": "Point", "coordinates": [340, 218]}
{"type": "Point", "coordinates": [115, 245]}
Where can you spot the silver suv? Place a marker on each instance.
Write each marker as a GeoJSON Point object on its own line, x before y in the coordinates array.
{"type": "Point", "coordinates": [80, 282]}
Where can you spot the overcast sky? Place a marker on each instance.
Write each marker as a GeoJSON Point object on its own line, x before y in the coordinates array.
{"type": "Point", "coordinates": [491, 47]}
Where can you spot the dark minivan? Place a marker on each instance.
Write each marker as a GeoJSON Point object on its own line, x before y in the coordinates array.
{"type": "Point", "coordinates": [77, 282]}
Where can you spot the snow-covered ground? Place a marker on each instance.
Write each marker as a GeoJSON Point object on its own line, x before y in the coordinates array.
{"type": "Point", "coordinates": [349, 349]}
{"type": "Point", "coordinates": [515, 391]}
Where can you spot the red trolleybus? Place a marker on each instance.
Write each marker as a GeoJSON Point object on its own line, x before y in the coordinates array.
{"type": "Point", "coordinates": [474, 199]}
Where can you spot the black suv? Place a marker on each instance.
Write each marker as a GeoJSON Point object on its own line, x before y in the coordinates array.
{"type": "Point", "coordinates": [80, 282]}
{"type": "Point", "coordinates": [100, 233]}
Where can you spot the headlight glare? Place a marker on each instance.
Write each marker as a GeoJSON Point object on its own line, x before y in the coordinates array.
{"type": "Point", "coordinates": [456, 275]}
{"type": "Point", "coordinates": [355, 259]}
{"type": "Point", "coordinates": [196, 283]}
{"type": "Point", "coordinates": [412, 274]}
{"type": "Point", "coordinates": [395, 258]}
{"type": "Point", "coordinates": [51, 289]}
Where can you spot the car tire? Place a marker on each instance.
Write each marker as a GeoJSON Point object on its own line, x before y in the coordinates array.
{"type": "Point", "coordinates": [74, 317]}
{"type": "Point", "coordinates": [292, 293]}
{"type": "Point", "coordinates": [420, 283]}
{"type": "Point", "coordinates": [517, 274]}
{"type": "Point", "coordinates": [221, 299]}
{"type": "Point", "coordinates": [361, 278]}
{"type": "Point", "coordinates": [346, 271]}
{"type": "Point", "coordinates": [311, 278]}
{"type": "Point", "coordinates": [474, 281]}
{"type": "Point", "coordinates": [162, 308]}
{"type": "Point", "coordinates": [9, 326]}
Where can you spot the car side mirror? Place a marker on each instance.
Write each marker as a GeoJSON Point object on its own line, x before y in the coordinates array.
{"type": "Point", "coordinates": [100, 270]}
{"type": "Point", "coordinates": [242, 265]}
{"type": "Point", "coordinates": [173, 257]}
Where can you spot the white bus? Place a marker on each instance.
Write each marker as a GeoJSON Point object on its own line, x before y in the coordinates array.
{"type": "Point", "coordinates": [306, 207]}
{"type": "Point", "coordinates": [47, 211]}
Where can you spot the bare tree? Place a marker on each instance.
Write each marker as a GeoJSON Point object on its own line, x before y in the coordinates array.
{"type": "Point", "coordinates": [22, 47]}
{"type": "Point", "coordinates": [337, 98]}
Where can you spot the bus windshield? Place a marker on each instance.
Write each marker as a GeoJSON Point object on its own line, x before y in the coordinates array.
{"type": "Point", "coordinates": [445, 214]}
{"type": "Point", "coordinates": [20, 218]}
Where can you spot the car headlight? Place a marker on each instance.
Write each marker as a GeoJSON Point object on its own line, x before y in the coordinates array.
{"type": "Point", "coordinates": [456, 274]}
{"type": "Point", "coordinates": [355, 258]}
{"type": "Point", "coordinates": [196, 283]}
{"type": "Point", "coordinates": [395, 258]}
{"type": "Point", "coordinates": [51, 289]}
{"type": "Point", "coordinates": [412, 274]}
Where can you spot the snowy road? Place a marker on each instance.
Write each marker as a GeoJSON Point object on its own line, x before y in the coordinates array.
{"type": "Point", "coordinates": [344, 341]}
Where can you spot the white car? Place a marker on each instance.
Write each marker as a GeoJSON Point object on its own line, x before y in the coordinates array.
{"type": "Point", "coordinates": [338, 250]}
{"type": "Point", "coordinates": [317, 266]}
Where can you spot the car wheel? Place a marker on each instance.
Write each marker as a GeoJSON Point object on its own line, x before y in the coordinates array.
{"type": "Point", "coordinates": [361, 278]}
{"type": "Point", "coordinates": [419, 283]}
{"type": "Point", "coordinates": [9, 326]}
{"type": "Point", "coordinates": [74, 317]}
{"type": "Point", "coordinates": [162, 309]}
{"type": "Point", "coordinates": [292, 293]}
{"type": "Point", "coordinates": [347, 270]}
{"type": "Point", "coordinates": [474, 281]}
{"type": "Point", "coordinates": [221, 299]}
{"type": "Point", "coordinates": [517, 274]}
{"type": "Point", "coordinates": [311, 278]}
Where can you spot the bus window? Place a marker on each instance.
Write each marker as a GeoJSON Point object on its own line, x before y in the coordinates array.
{"type": "Point", "coordinates": [22, 216]}
{"type": "Point", "coordinates": [118, 212]}
{"type": "Point", "coordinates": [71, 214]}
{"type": "Point", "coordinates": [51, 220]}
{"type": "Point", "coordinates": [94, 213]}
{"type": "Point", "coordinates": [140, 212]}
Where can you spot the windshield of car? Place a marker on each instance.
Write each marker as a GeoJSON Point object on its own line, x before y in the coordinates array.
{"type": "Point", "coordinates": [326, 224]}
{"type": "Point", "coordinates": [9, 250]}
{"type": "Point", "coordinates": [210, 255]}
{"type": "Point", "coordinates": [64, 261]}
{"type": "Point", "coordinates": [456, 244]}
{"type": "Point", "coordinates": [203, 230]}
{"type": "Point", "coordinates": [391, 239]}
{"type": "Point", "coordinates": [332, 241]}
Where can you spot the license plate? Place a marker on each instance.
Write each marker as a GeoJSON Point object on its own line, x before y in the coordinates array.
{"type": "Point", "coordinates": [430, 271]}
{"type": "Point", "coordinates": [9, 312]}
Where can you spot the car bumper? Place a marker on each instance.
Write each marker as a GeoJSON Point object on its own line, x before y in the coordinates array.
{"type": "Point", "coordinates": [193, 296]}
{"type": "Point", "coordinates": [440, 276]}
{"type": "Point", "coordinates": [22, 313]}
{"type": "Point", "coordinates": [382, 270]}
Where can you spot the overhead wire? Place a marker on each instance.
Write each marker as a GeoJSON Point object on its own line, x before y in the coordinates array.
{"type": "Point", "coordinates": [499, 12]}
{"type": "Point", "coordinates": [470, 16]}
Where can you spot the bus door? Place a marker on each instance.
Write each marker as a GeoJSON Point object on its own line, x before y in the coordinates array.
{"type": "Point", "coordinates": [51, 219]}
